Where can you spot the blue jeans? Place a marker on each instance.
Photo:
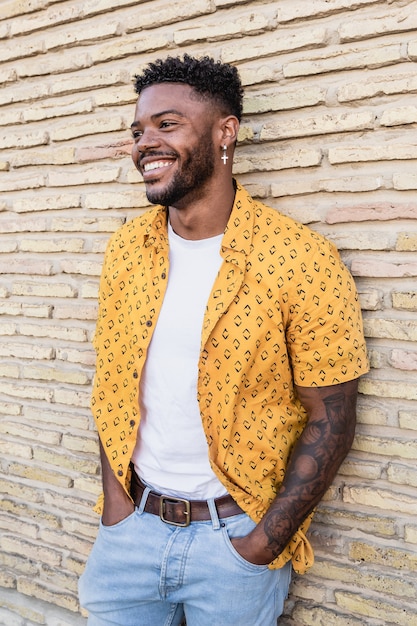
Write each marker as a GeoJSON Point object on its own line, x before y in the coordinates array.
{"type": "Point", "coordinates": [145, 572]}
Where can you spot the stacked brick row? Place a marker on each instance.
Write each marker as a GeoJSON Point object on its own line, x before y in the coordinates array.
{"type": "Point", "coordinates": [328, 137]}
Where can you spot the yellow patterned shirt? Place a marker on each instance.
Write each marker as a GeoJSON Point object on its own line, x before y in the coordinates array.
{"type": "Point", "coordinates": [283, 310]}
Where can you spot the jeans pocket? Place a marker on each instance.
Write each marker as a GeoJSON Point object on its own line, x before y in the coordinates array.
{"type": "Point", "coordinates": [122, 522]}
{"type": "Point", "coordinates": [240, 530]}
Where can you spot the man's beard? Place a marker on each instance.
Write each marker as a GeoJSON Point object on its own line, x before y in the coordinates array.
{"type": "Point", "coordinates": [195, 171]}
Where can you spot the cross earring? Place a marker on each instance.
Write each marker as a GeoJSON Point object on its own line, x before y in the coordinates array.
{"type": "Point", "coordinates": [224, 156]}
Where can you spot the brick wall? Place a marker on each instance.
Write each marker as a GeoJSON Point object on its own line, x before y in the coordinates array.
{"type": "Point", "coordinates": [328, 137]}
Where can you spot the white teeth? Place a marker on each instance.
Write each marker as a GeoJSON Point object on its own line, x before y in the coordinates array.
{"type": "Point", "coordinates": [155, 165]}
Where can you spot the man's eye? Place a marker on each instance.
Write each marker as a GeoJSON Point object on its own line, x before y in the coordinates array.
{"type": "Point", "coordinates": [136, 134]}
{"type": "Point", "coordinates": [167, 124]}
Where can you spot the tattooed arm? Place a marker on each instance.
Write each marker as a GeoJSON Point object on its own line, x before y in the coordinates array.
{"type": "Point", "coordinates": [317, 456]}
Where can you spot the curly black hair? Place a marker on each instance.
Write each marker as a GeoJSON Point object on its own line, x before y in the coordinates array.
{"type": "Point", "coordinates": [214, 80]}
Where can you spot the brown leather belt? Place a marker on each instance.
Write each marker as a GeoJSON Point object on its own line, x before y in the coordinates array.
{"type": "Point", "coordinates": [179, 511]}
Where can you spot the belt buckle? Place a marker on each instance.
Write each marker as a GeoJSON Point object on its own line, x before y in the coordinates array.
{"type": "Point", "coordinates": [187, 511]}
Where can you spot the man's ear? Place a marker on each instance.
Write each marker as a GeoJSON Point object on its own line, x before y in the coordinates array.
{"type": "Point", "coordinates": [229, 128]}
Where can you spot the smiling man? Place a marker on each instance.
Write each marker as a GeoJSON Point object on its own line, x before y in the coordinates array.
{"type": "Point", "coordinates": [229, 346]}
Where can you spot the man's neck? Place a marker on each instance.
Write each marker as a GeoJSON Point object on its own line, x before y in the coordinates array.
{"type": "Point", "coordinates": [205, 217]}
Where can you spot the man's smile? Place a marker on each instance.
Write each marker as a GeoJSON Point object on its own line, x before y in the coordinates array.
{"type": "Point", "coordinates": [154, 165]}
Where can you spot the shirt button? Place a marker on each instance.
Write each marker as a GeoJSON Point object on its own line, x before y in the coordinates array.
{"type": "Point", "coordinates": [163, 275]}
{"type": "Point", "coordinates": [148, 322]}
{"type": "Point", "coordinates": [135, 374]}
{"type": "Point", "coordinates": [120, 472]}
{"type": "Point", "coordinates": [132, 422]}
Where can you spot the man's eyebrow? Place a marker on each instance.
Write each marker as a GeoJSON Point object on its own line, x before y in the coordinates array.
{"type": "Point", "coordinates": [155, 116]}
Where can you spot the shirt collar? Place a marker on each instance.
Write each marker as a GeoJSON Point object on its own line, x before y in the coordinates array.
{"type": "Point", "coordinates": [238, 233]}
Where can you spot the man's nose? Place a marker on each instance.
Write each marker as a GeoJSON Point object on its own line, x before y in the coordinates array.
{"type": "Point", "coordinates": [147, 140]}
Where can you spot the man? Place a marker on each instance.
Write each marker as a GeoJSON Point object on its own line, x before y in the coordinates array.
{"type": "Point", "coordinates": [229, 345]}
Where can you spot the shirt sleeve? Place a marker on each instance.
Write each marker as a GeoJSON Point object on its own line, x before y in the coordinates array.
{"type": "Point", "coordinates": [324, 332]}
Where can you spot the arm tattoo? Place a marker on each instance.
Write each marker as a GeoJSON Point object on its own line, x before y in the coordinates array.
{"type": "Point", "coordinates": [315, 460]}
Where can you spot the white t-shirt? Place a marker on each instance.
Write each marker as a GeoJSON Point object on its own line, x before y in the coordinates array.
{"type": "Point", "coordinates": [171, 453]}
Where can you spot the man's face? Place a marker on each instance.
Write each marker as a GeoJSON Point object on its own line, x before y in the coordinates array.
{"type": "Point", "coordinates": [173, 143]}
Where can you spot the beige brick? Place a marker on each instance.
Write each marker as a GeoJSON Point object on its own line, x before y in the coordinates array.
{"type": "Point", "coordinates": [11, 448]}
{"type": "Point", "coordinates": [402, 447]}
{"type": "Point", "coordinates": [405, 330]}
{"type": "Point", "coordinates": [19, 429]}
{"type": "Point", "coordinates": [10, 139]}
{"type": "Point", "coordinates": [81, 312]}
{"type": "Point", "coordinates": [317, 125]}
{"type": "Point", "coordinates": [26, 49]}
{"type": "Point", "coordinates": [91, 485]}
{"type": "Point", "coordinates": [123, 47]}
{"type": "Point", "coordinates": [370, 523]}
{"type": "Point", "coordinates": [17, 183]}
{"type": "Point", "coordinates": [403, 359]}
{"type": "Point", "coordinates": [92, 80]}
{"type": "Point", "coordinates": [402, 474]}
{"type": "Point", "coordinates": [408, 419]}
{"type": "Point", "coordinates": [385, 85]}
{"type": "Point", "coordinates": [58, 577]}
{"type": "Point", "coordinates": [317, 8]}
{"type": "Point", "coordinates": [87, 176]}
{"type": "Point", "coordinates": [53, 374]}
{"type": "Point", "coordinates": [373, 608]}
{"type": "Point", "coordinates": [381, 499]}
{"type": "Point", "coordinates": [87, 31]}
{"type": "Point", "coordinates": [45, 156]}
{"type": "Point", "coordinates": [84, 357]}
{"type": "Point", "coordinates": [261, 47]}
{"type": "Point", "coordinates": [26, 351]}
{"type": "Point", "coordinates": [87, 225]}
{"type": "Point", "coordinates": [163, 13]}
{"type": "Point", "coordinates": [377, 267]}
{"type": "Point", "coordinates": [58, 418]}
{"type": "Point", "coordinates": [35, 514]}
{"type": "Point", "coordinates": [410, 534]}
{"type": "Point", "coordinates": [11, 8]}
{"type": "Point", "coordinates": [404, 181]}
{"type": "Point", "coordinates": [394, 22]}
{"type": "Point", "coordinates": [26, 391]}
{"type": "Point", "coordinates": [11, 118]}
{"type": "Point", "coordinates": [49, 245]}
{"type": "Point", "coordinates": [32, 587]}
{"type": "Point", "coordinates": [273, 161]}
{"type": "Point", "coordinates": [64, 461]}
{"type": "Point", "coordinates": [88, 125]}
{"type": "Point", "coordinates": [47, 477]}
{"type": "Point", "coordinates": [345, 59]}
{"type": "Point", "coordinates": [383, 556]}
{"type": "Point", "coordinates": [305, 185]}
{"type": "Point", "coordinates": [271, 100]}
{"type": "Point", "coordinates": [116, 200]}
{"type": "Point", "coordinates": [370, 299]}
{"type": "Point", "coordinates": [57, 332]}
{"type": "Point", "coordinates": [399, 116]}
{"type": "Point", "coordinates": [55, 290]}
{"type": "Point", "coordinates": [23, 93]}
{"type": "Point", "coordinates": [60, 538]}
{"type": "Point", "coordinates": [306, 615]}
{"type": "Point", "coordinates": [406, 301]}
{"type": "Point", "coordinates": [8, 370]}
{"type": "Point", "coordinates": [10, 408]}
{"type": "Point", "coordinates": [33, 267]}
{"type": "Point", "coordinates": [53, 63]}
{"type": "Point", "coordinates": [17, 490]}
{"type": "Point", "coordinates": [218, 29]}
{"type": "Point", "coordinates": [85, 267]}
{"type": "Point", "coordinates": [381, 582]}
{"type": "Point", "coordinates": [406, 242]}
{"type": "Point", "coordinates": [23, 225]}
{"type": "Point", "coordinates": [72, 398]}
{"type": "Point", "coordinates": [89, 290]}
{"type": "Point", "coordinates": [82, 443]}
{"type": "Point", "coordinates": [123, 94]}
{"type": "Point", "coordinates": [55, 107]}
{"type": "Point", "coordinates": [380, 152]}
